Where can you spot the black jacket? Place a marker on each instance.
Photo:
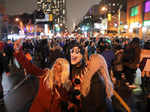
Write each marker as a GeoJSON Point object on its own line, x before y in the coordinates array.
{"type": "Point", "coordinates": [95, 101]}
{"type": "Point", "coordinates": [3, 64]}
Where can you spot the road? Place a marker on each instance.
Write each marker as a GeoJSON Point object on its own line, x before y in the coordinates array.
{"type": "Point", "coordinates": [18, 92]}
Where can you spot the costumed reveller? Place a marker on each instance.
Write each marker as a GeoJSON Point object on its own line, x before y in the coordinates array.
{"type": "Point", "coordinates": [54, 84]}
{"type": "Point", "coordinates": [92, 85]}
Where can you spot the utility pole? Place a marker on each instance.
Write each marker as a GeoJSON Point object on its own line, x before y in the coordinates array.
{"type": "Point", "coordinates": [119, 15]}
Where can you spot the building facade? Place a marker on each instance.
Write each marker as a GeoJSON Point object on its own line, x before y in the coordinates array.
{"type": "Point", "coordinates": [138, 18]}
{"type": "Point", "coordinates": [55, 8]}
{"type": "Point", "coordinates": [2, 18]}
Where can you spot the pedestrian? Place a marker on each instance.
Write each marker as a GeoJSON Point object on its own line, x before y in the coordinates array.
{"type": "Point", "coordinates": [92, 85]}
{"type": "Point", "coordinates": [131, 60]}
{"type": "Point", "coordinates": [8, 49]}
{"type": "Point", "coordinates": [3, 68]}
{"type": "Point", "coordinates": [54, 84]}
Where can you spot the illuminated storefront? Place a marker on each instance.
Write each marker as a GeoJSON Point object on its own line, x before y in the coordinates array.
{"type": "Point", "coordinates": [135, 17]}
{"type": "Point", "coordinates": [147, 6]}
{"type": "Point", "coordinates": [135, 21]}
{"type": "Point", "coordinates": [138, 17]}
{"type": "Point", "coordinates": [146, 21]}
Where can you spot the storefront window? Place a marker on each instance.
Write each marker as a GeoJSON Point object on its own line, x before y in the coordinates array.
{"type": "Point", "coordinates": [147, 6]}
{"type": "Point", "coordinates": [134, 11]}
{"type": "Point", "coordinates": [147, 23]}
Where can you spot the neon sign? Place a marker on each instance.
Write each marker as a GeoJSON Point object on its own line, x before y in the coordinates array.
{"type": "Point", "coordinates": [147, 6]}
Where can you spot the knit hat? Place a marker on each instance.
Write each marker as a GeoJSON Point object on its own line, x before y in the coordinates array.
{"type": "Point", "coordinates": [76, 44]}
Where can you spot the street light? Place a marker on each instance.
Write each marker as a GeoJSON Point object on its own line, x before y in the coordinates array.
{"type": "Point", "coordinates": [17, 19]}
{"type": "Point", "coordinates": [104, 8]}
{"type": "Point", "coordinates": [119, 18]}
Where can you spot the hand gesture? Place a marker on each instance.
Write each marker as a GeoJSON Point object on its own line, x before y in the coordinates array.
{"type": "Point", "coordinates": [17, 45]}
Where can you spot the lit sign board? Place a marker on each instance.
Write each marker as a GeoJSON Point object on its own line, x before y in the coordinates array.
{"type": "Point", "coordinates": [147, 23]}
{"type": "Point", "coordinates": [134, 11]}
{"type": "Point", "coordinates": [147, 6]}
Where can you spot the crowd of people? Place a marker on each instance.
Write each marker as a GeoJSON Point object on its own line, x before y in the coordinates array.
{"type": "Point", "coordinates": [81, 75]}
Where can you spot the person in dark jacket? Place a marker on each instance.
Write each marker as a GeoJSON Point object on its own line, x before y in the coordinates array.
{"type": "Point", "coordinates": [131, 60]}
{"type": "Point", "coordinates": [9, 51]}
{"type": "Point", "coordinates": [3, 68]}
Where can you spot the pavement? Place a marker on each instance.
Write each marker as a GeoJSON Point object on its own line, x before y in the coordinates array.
{"type": "Point", "coordinates": [19, 92]}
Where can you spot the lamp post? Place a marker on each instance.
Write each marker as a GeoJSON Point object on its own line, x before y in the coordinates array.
{"type": "Point", "coordinates": [104, 11]}
{"type": "Point", "coordinates": [119, 15]}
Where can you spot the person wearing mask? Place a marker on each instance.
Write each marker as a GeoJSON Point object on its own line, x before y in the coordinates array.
{"type": "Point", "coordinates": [92, 85]}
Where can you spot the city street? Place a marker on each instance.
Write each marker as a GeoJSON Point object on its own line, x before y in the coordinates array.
{"type": "Point", "coordinates": [19, 97]}
{"type": "Point", "coordinates": [23, 89]}
{"type": "Point", "coordinates": [84, 55]}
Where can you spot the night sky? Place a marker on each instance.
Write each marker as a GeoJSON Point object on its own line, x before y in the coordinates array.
{"type": "Point", "coordinates": [20, 6]}
{"type": "Point", "coordinates": [76, 9]}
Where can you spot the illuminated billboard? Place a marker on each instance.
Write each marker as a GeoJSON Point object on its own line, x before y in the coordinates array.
{"type": "Point", "coordinates": [147, 6]}
{"type": "Point", "coordinates": [134, 11]}
{"type": "Point", "coordinates": [146, 23]}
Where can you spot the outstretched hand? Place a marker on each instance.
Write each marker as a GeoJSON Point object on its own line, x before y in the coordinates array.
{"type": "Point", "coordinates": [17, 45]}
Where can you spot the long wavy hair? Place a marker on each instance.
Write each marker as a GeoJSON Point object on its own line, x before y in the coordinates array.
{"type": "Point", "coordinates": [101, 67]}
{"type": "Point", "coordinates": [132, 52]}
{"type": "Point", "coordinates": [49, 80]}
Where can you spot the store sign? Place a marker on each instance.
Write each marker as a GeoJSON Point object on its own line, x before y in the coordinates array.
{"type": "Point", "coordinates": [134, 11]}
{"type": "Point", "coordinates": [147, 6]}
{"type": "Point", "coordinates": [147, 23]}
{"type": "Point", "coordinates": [135, 25]}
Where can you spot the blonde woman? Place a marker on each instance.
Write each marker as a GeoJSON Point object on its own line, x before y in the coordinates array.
{"type": "Point", "coordinates": [54, 84]}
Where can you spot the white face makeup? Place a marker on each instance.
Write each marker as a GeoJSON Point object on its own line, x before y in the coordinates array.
{"type": "Point", "coordinates": [76, 56]}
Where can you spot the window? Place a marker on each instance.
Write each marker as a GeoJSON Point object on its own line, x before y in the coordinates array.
{"type": "Point", "coordinates": [147, 23]}
{"type": "Point", "coordinates": [147, 6]}
{"type": "Point", "coordinates": [134, 11]}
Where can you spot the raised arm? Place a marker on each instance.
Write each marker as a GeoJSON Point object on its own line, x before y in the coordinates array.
{"type": "Point", "coordinates": [26, 64]}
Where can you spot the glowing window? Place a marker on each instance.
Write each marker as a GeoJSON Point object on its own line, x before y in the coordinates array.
{"type": "Point", "coordinates": [147, 23]}
{"type": "Point", "coordinates": [134, 11]}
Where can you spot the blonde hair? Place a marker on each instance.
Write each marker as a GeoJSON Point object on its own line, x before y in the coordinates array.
{"type": "Point", "coordinates": [49, 76]}
{"type": "Point", "coordinates": [99, 63]}
{"type": "Point", "coordinates": [105, 74]}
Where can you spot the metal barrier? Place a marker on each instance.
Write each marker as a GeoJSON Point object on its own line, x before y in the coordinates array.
{"type": "Point", "coordinates": [122, 102]}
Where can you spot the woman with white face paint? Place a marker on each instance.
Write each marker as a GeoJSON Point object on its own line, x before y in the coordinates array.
{"type": "Point", "coordinates": [91, 81]}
